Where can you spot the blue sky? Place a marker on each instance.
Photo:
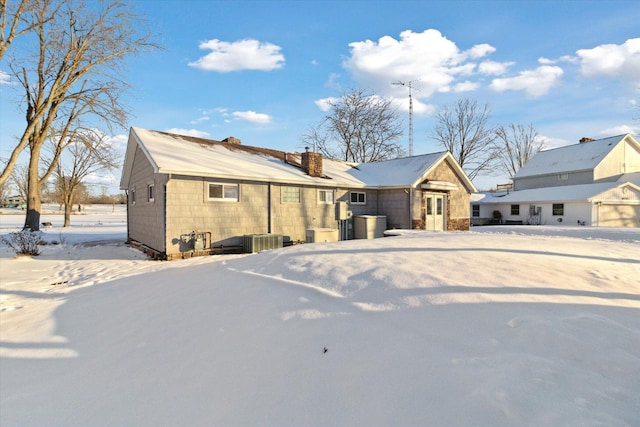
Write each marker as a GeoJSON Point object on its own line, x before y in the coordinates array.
{"type": "Point", "coordinates": [260, 70]}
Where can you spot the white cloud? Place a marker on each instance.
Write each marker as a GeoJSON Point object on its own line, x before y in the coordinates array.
{"type": "Point", "coordinates": [612, 60]}
{"type": "Point", "coordinates": [480, 50]}
{"type": "Point", "coordinates": [493, 68]}
{"type": "Point", "coordinates": [324, 104]}
{"type": "Point", "coordinates": [244, 54]}
{"type": "Point", "coordinates": [333, 81]}
{"type": "Point", "coordinates": [117, 142]}
{"type": "Point", "coordinates": [199, 120]}
{"type": "Point", "coordinates": [535, 82]}
{"type": "Point", "coordinates": [549, 142]}
{"type": "Point", "coordinates": [466, 86]}
{"type": "Point", "coordinates": [419, 107]}
{"type": "Point", "coordinates": [565, 58]}
{"type": "Point", "coordinates": [189, 132]}
{"type": "Point", "coordinates": [619, 130]}
{"type": "Point", "coordinates": [252, 117]}
{"type": "Point", "coordinates": [5, 79]}
{"type": "Point", "coordinates": [428, 57]}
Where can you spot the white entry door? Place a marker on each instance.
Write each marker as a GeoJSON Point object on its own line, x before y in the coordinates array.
{"type": "Point", "coordinates": [434, 211]}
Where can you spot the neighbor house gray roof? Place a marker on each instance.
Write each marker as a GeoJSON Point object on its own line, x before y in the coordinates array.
{"type": "Point", "coordinates": [571, 158]}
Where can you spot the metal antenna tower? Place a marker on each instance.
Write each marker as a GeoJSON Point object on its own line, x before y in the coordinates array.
{"type": "Point", "coordinates": [410, 86]}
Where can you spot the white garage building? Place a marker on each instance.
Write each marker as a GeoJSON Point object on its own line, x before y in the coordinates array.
{"type": "Point", "coordinates": [595, 183]}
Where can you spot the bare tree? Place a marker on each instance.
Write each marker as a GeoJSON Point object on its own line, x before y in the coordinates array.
{"type": "Point", "coordinates": [360, 128]}
{"type": "Point", "coordinates": [19, 180]}
{"type": "Point", "coordinates": [69, 77]}
{"type": "Point", "coordinates": [12, 22]}
{"type": "Point", "coordinates": [516, 145]}
{"type": "Point", "coordinates": [463, 129]}
{"type": "Point", "coordinates": [5, 190]}
{"type": "Point", "coordinates": [89, 152]}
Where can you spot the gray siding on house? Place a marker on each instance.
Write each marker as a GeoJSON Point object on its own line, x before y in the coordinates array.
{"type": "Point", "coordinates": [394, 204]}
{"type": "Point", "coordinates": [292, 219]}
{"type": "Point", "coordinates": [259, 210]}
{"type": "Point", "coordinates": [541, 181]}
{"type": "Point", "coordinates": [146, 218]}
{"type": "Point", "coordinates": [370, 207]}
{"type": "Point", "coordinates": [189, 209]}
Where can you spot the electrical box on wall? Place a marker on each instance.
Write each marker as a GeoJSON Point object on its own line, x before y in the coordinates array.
{"type": "Point", "coordinates": [342, 211]}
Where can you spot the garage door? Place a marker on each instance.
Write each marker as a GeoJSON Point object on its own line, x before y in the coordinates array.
{"type": "Point", "coordinates": [619, 216]}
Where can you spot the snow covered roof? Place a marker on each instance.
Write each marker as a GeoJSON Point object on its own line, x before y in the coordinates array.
{"type": "Point", "coordinates": [182, 155]}
{"type": "Point", "coordinates": [577, 157]}
{"type": "Point", "coordinates": [568, 193]}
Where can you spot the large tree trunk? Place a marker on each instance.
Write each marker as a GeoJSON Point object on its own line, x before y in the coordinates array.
{"type": "Point", "coordinates": [68, 207]}
{"type": "Point", "coordinates": [34, 203]}
{"type": "Point", "coordinates": [67, 214]}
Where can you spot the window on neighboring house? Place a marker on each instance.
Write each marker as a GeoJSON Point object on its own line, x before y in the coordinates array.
{"type": "Point", "coordinates": [563, 176]}
{"type": "Point", "coordinates": [358, 198]}
{"type": "Point", "coordinates": [291, 194]}
{"type": "Point", "coordinates": [325, 196]}
{"type": "Point", "coordinates": [133, 196]}
{"type": "Point", "coordinates": [515, 210]}
{"type": "Point", "coordinates": [150, 193]}
{"type": "Point", "coordinates": [475, 211]}
{"type": "Point", "coordinates": [558, 209]}
{"type": "Point", "coordinates": [224, 192]}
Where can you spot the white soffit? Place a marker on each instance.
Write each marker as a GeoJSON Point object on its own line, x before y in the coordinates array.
{"type": "Point", "coordinates": [439, 185]}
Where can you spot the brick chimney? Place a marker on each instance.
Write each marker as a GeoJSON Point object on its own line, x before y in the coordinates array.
{"type": "Point", "coordinates": [312, 163]}
{"type": "Point", "coordinates": [586, 139]}
{"type": "Point", "coordinates": [232, 140]}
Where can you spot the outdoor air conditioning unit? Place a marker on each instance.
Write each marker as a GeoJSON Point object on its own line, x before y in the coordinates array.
{"type": "Point", "coordinates": [253, 243]}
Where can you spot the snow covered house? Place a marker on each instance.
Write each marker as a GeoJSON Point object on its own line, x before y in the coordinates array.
{"type": "Point", "coordinates": [595, 182]}
{"type": "Point", "coordinates": [191, 196]}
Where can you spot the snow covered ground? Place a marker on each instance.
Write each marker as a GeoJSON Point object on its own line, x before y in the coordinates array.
{"type": "Point", "coordinates": [500, 326]}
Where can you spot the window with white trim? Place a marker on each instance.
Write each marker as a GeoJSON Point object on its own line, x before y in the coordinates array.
{"type": "Point", "coordinates": [358, 198]}
{"type": "Point", "coordinates": [224, 192]}
{"type": "Point", "coordinates": [290, 194]}
{"type": "Point", "coordinates": [325, 196]}
{"type": "Point", "coordinates": [475, 211]}
{"type": "Point", "coordinates": [150, 193]}
{"type": "Point", "coordinates": [515, 210]}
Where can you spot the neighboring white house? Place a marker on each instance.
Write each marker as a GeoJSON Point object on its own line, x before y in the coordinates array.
{"type": "Point", "coordinates": [595, 182]}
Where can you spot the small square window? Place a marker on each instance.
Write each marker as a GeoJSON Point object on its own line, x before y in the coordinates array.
{"type": "Point", "coordinates": [325, 196]}
{"type": "Point", "coordinates": [558, 209]}
{"type": "Point", "coordinates": [358, 198]}
{"type": "Point", "coordinates": [515, 210]}
{"type": "Point", "coordinates": [290, 194]}
{"type": "Point", "coordinates": [563, 176]}
{"type": "Point", "coordinates": [150, 193]}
